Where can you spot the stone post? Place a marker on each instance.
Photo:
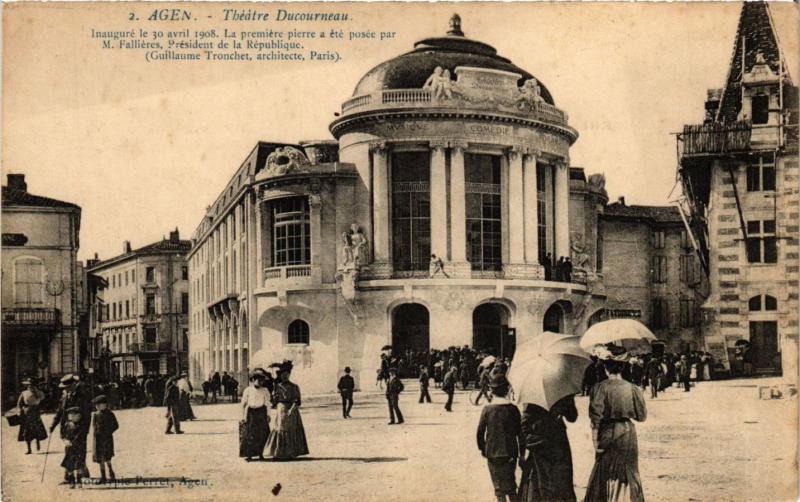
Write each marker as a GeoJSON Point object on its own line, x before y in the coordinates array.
{"type": "Point", "coordinates": [531, 208]}
{"type": "Point", "coordinates": [458, 266]}
{"type": "Point", "coordinates": [562, 209]}
{"type": "Point", "coordinates": [381, 256]}
{"type": "Point", "coordinates": [516, 212]}
{"type": "Point", "coordinates": [438, 189]}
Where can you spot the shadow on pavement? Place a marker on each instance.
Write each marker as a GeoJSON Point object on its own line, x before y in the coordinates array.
{"type": "Point", "coordinates": [365, 460]}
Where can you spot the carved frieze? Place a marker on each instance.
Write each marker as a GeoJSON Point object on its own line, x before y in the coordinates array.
{"type": "Point", "coordinates": [285, 160]}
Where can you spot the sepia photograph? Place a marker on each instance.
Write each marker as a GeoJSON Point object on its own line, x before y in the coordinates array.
{"type": "Point", "coordinates": [400, 252]}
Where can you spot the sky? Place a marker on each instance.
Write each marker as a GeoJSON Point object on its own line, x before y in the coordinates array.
{"type": "Point", "coordinates": [144, 147]}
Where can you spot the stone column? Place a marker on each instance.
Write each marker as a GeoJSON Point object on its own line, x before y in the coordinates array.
{"type": "Point", "coordinates": [458, 266]}
{"type": "Point", "coordinates": [438, 187]}
{"type": "Point", "coordinates": [258, 239]}
{"type": "Point", "coordinates": [516, 210]}
{"type": "Point", "coordinates": [381, 256]}
{"type": "Point", "coordinates": [531, 208]}
{"type": "Point", "coordinates": [562, 209]}
{"type": "Point", "coordinates": [315, 208]}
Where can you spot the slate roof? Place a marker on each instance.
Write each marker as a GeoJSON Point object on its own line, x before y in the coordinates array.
{"type": "Point", "coordinates": [655, 214]}
{"type": "Point", "coordinates": [14, 197]}
{"type": "Point", "coordinates": [753, 35]}
{"type": "Point", "coordinates": [164, 246]}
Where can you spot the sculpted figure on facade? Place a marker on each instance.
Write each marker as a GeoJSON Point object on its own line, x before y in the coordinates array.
{"type": "Point", "coordinates": [580, 258]}
{"type": "Point", "coordinates": [285, 160]}
{"type": "Point", "coordinates": [358, 242]}
{"type": "Point", "coordinates": [597, 181]}
{"type": "Point", "coordinates": [348, 260]}
{"type": "Point", "coordinates": [440, 84]}
{"type": "Point", "coordinates": [529, 94]}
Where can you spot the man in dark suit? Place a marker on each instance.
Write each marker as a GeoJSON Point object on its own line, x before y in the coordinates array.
{"type": "Point", "coordinates": [393, 389]}
{"type": "Point", "coordinates": [75, 395]}
{"type": "Point", "coordinates": [346, 387]}
{"type": "Point", "coordinates": [424, 381]}
{"type": "Point", "coordinates": [449, 386]}
{"type": "Point", "coordinates": [172, 398]}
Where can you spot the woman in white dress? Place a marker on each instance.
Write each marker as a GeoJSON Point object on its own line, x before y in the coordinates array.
{"type": "Point", "coordinates": [255, 430]}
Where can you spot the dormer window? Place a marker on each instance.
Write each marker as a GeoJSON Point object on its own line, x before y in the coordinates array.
{"type": "Point", "coordinates": [760, 109]}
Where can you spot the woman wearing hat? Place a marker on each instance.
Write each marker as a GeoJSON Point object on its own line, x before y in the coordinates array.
{"type": "Point", "coordinates": [31, 427]}
{"type": "Point", "coordinates": [256, 419]}
{"type": "Point", "coordinates": [613, 403]}
{"type": "Point", "coordinates": [288, 438]}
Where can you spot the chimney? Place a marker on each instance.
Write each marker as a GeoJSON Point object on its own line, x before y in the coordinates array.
{"type": "Point", "coordinates": [713, 98]}
{"type": "Point", "coordinates": [93, 261]}
{"type": "Point", "coordinates": [17, 182]}
{"type": "Point", "coordinates": [621, 201]}
{"type": "Point", "coordinates": [174, 236]}
{"type": "Point", "coordinates": [126, 246]}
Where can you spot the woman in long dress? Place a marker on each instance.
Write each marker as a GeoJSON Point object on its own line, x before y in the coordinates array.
{"type": "Point", "coordinates": [255, 399]}
{"type": "Point", "coordinates": [31, 427]}
{"type": "Point", "coordinates": [614, 402]}
{"type": "Point", "coordinates": [288, 438]}
{"type": "Point", "coordinates": [547, 470]}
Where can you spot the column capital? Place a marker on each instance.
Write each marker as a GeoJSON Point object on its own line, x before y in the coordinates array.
{"type": "Point", "coordinates": [378, 146]}
{"type": "Point", "coordinates": [459, 144]}
{"type": "Point", "coordinates": [533, 152]}
{"type": "Point", "coordinates": [438, 144]}
{"type": "Point", "coordinates": [561, 163]}
{"type": "Point", "coordinates": [515, 151]}
{"type": "Point", "coordinates": [314, 200]}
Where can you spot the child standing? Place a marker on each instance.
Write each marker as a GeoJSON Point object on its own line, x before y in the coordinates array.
{"type": "Point", "coordinates": [500, 439]}
{"type": "Point", "coordinates": [73, 448]}
{"type": "Point", "coordinates": [105, 423]}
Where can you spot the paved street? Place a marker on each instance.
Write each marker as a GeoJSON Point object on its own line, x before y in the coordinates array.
{"type": "Point", "coordinates": [718, 442]}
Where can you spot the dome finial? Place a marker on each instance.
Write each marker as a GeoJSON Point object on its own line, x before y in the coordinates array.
{"type": "Point", "coordinates": [455, 26]}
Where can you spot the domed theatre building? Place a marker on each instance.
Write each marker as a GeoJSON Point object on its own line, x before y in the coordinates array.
{"type": "Point", "coordinates": [423, 225]}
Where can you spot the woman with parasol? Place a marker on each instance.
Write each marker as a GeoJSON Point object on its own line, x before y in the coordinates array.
{"type": "Point", "coordinates": [613, 403]}
{"type": "Point", "coordinates": [547, 373]}
{"type": "Point", "coordinates": [288, 439]}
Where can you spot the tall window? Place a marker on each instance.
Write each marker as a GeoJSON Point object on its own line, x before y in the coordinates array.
{"type": "Point", "coordinates": [185, 273]}
{"type": "Point", "coordinates": [762, 246]}
{"type": "Point", "coordinates": [127, 309]}
{"type": "Point", "coordinates": [150, 305]}
{"type": "Point", "coordinates": [484, 221]}
{"type": "Point", "coordinates": [298, 332]}
{"type": "Point", "coordinates": [760, 109]}
{"type": "Point", "coordinates": [660, 315]}
{"type": "Point", "coordinates": [761, 176]}
{"type": "Point", "coordinates": [291, 232]}
{"type": "Point", "coordinates": [541, 208]}
{"type": "Point", "coordinates": [150, 274]}
{"type": "Point", "coordinates": [658, 240]}
{"type": "Point", "coordinates": [659, 269]}
{"type": "Point", "coordinates": [28, 281]}
{"type": "Point", "coordinates": [411, 211]}
{"type": "Point", "coordinates": [687, 265]}
{"type": "Point", "coordinates": [184, 303]}
{"type": "Point", "coordinates": [688, 313]}
{"type": "Point", "coordinates": [150, 335]}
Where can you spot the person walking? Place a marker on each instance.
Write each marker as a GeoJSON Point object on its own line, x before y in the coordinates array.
{"type": "Point", "coordinates": [216, 382]}
{"type": "Point", "coordinates": [287, 440]}
{"type": "Point", "coordinates": [654, 374]}
{"type": "Point", "coordinates": [613, 403]}
{"type": "Point", "coordinates": [206, 390]}
{"type": "Point", "coordinates": [105, 424]}
{"type": "Point", "coordinates": [185, 391]}
{"type": "Point", "coordinates": [346, 387]}
{"type": "Point", "coordinates": [255, 399]}
{"type": "Point", "coordinates": [74, 396]}
{"type": "Point", "coordinates": [483, 379]}
{"type": "Point", "coordinates": [172, 399]}
{"type": "Point", "coordinates": [547, 470]}
{"type": "Point", "coordinates": [684, 370]}
{"type": "Point", "coordinates": [424, 382]}
{"type": "Point", "coordinates": [393, 389]}
{"type": "Point", "coordinates": [31, 427]}
{"type": "Point", "coordinates": [449, 386]}
{"type": "Point", "coordinates": [500, 439]}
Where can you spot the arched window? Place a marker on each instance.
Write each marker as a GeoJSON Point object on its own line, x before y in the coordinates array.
{"type": "Point", "coordinates": [756, 304]}
{"type": "Point", "coordinates": [298, 332]}
{"type": "Point", "coordinates": [28, 281]}
{"type": "Point", "coordinates": [553, 319]}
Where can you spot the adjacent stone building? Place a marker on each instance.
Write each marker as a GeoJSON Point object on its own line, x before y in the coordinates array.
{"type": "Point", "coordinates": [41, 287]}
{"type": "Point", "coordinates": [423, 225]}
{"type": "Point", "coordinates": [739, 171]}
{"type": "Point", "coordinates": [143, 323]}
{"type": "Point", "coordinates": [652, 273]}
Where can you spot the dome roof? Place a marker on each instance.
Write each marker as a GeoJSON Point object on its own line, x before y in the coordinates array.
{"type": "Point", "coordinates": [412, 69]}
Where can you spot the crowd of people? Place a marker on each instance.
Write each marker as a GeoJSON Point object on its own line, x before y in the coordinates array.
{"type": "Point", "coordinates": [409, 364]}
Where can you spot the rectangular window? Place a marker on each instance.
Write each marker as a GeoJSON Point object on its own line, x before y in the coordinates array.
{"type": "Point", "coordinates": [760, 109]}
{"type": "Point", "coordinates": [150, 335]}
{"type": "Point", "coordinates": [185, 273]}
{"type": "Point", "coordinates": [126, 277]}
{"type": "Point", "coordinates": [660, 314]}
{"type": "Point", "coordinates": [658, 240]}
{"type": "Point", "coordinates": [113, 281]}
{"type": "Point", "coordinates": [184, 303]}
{"type": "Point", "coordinates": [150, 305]}
{"type": "Point", "coordinates": [411, 211]}
{"type": "Point", "coordinates": [28, 281]}
{"type": "Point", "coordinates": [761, 176]}
{"type": "Point", "coordinates": [133, 276]}
{"type": "Point", "coordinates": [688, 313]}
{"type": "Point", "coordinates": [541, 209]}
{"type": "Point", "coordinates": [483, 211]}
{"type": "Point", "coordinates": [150, 274]}
{"type": "Point", "coordinates": [291, 232]}
{"type": "Point", "coordinates": [659, 269]}
{"type": "Point", "coordinates": [687, 269]}
{"type": "Point", "coordinates": [127, 309]}
{"type": "Point", "coordinates": [762, 246]}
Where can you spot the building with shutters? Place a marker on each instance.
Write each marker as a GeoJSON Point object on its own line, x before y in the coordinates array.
{"type": "Point", "coordinates": [42, 285]}
{"type": "Point", "coordinates": [423, 225]}
{"type": "Point", "coordinates": [739, 171]}
{"type": "Point", "coordinates": [142, 317]}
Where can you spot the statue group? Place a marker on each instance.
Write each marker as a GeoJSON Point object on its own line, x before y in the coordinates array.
{"type": "Point", "coordinates": [354, 249]}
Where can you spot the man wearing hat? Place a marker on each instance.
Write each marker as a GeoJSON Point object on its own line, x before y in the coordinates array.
{"type": "Point", "coordinates": [74, 396]}
{"type": "Point", "coordinates": [500, 438]}
{"type": "Point", "coordinates": [449, 386]}
{"type": "Point", "coordinates": [346, 387]}
{"type": "Point", "coordinates": [172, 402]}
{"type": "Point", "coordinates": [393, 389]}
